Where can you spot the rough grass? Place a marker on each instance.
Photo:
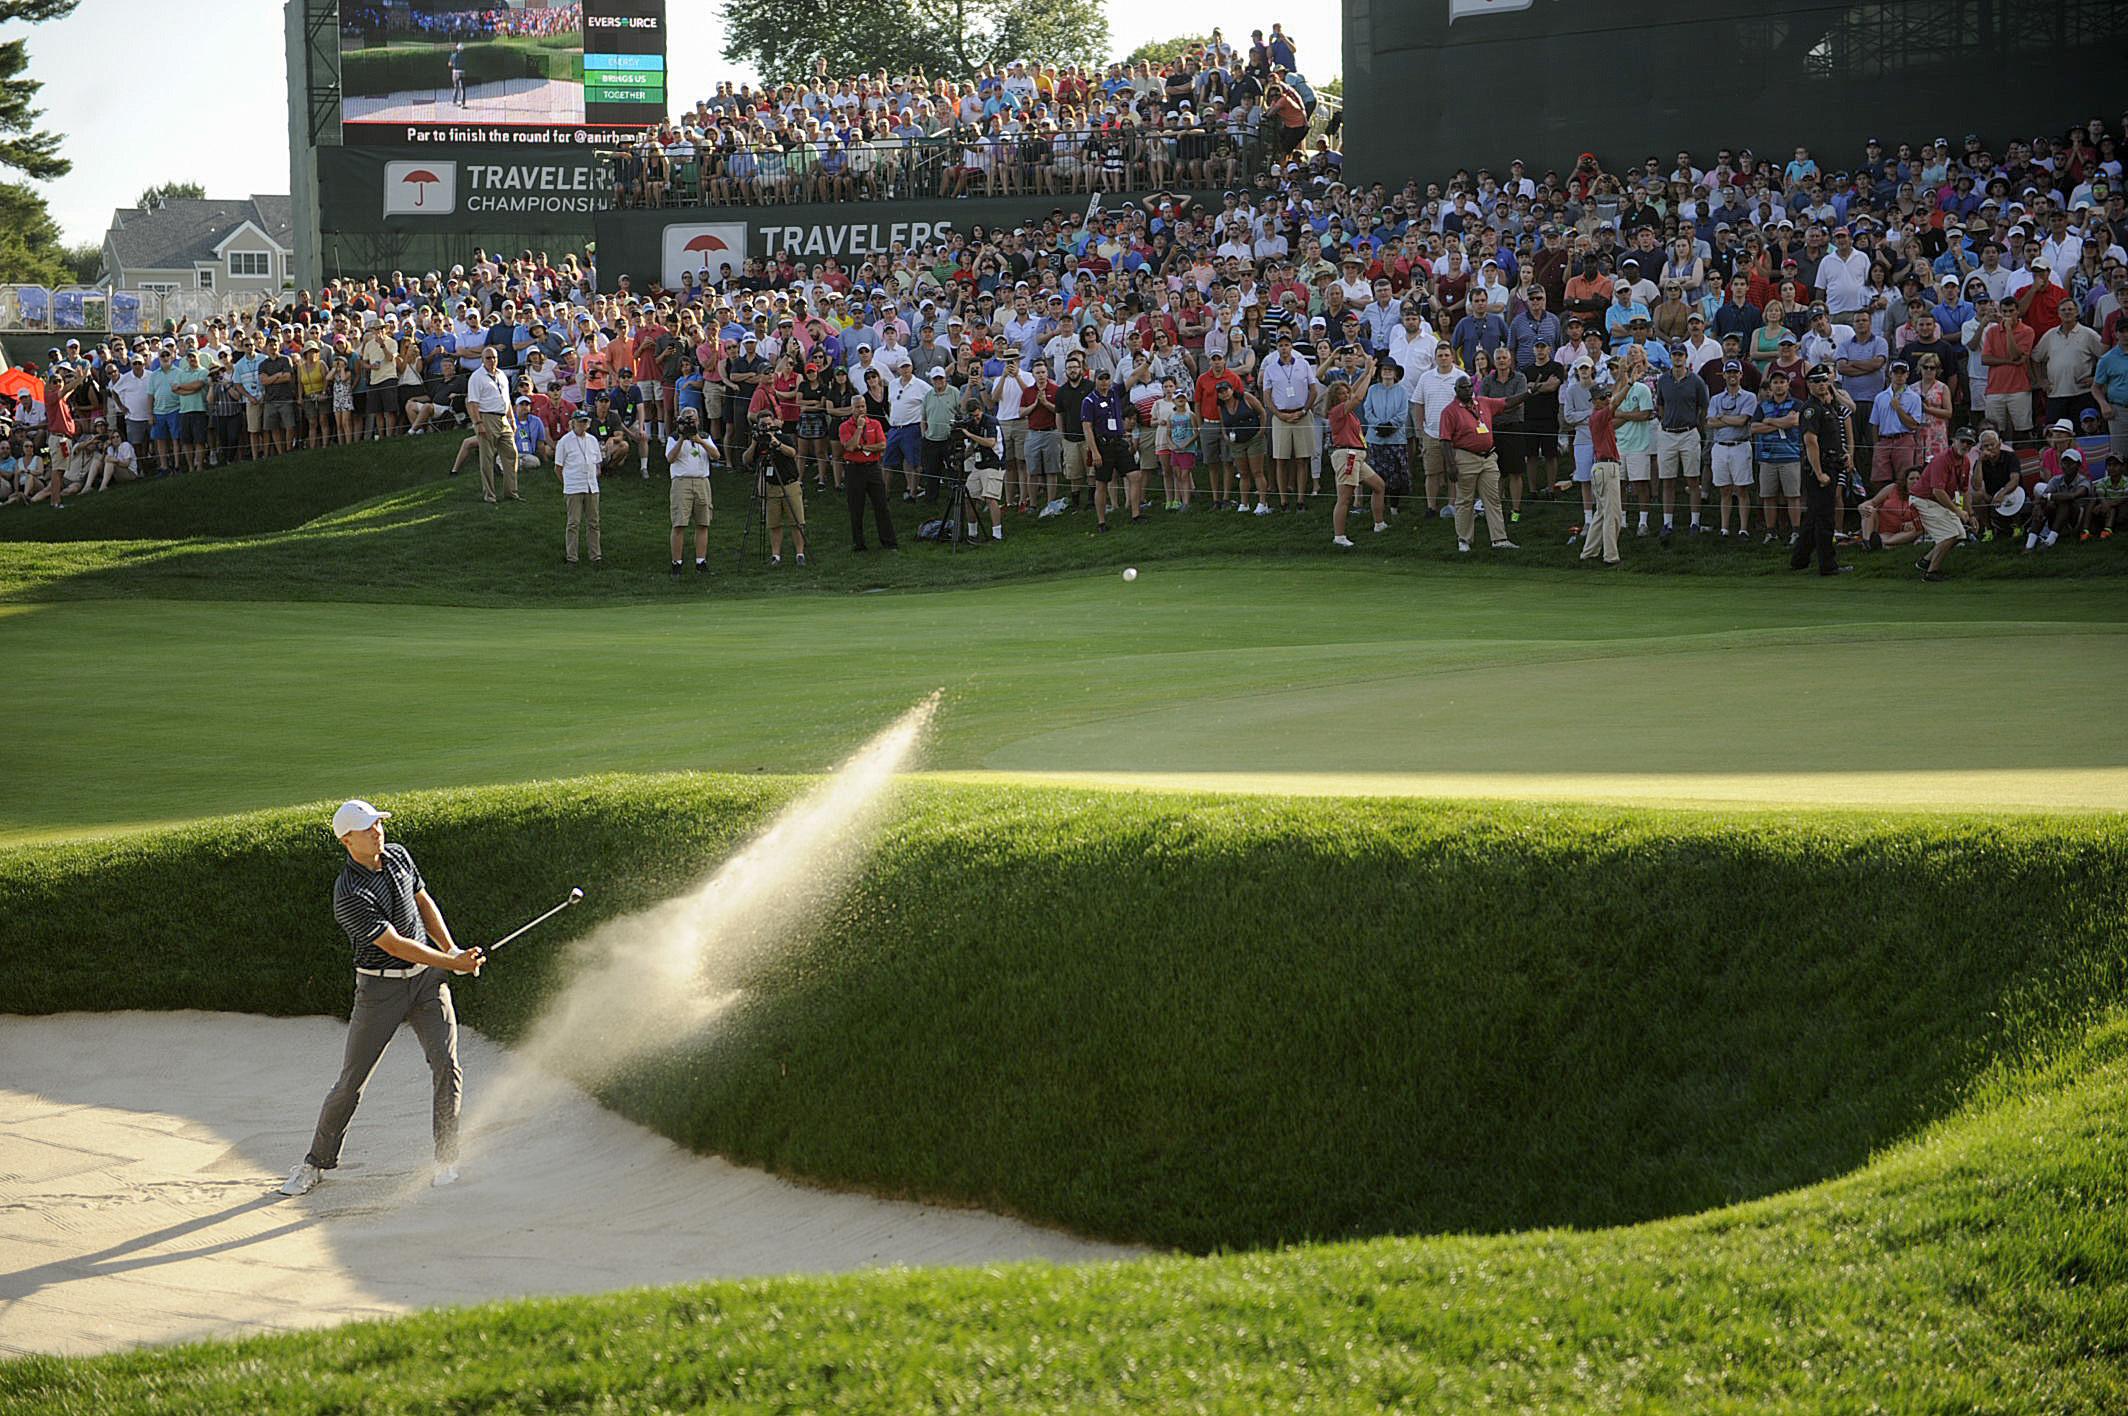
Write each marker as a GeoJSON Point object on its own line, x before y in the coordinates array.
{"type": "Point", "coordinates": [1209, 1023]}
{"type": "Point", "coordinates": [287, 529]}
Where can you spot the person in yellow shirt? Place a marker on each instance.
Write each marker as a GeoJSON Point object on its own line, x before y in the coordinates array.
{"type": "Point", "coordinates": [313, 388]}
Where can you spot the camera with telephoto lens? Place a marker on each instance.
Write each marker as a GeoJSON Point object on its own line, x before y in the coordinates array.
{"type": "Point", "coordinates": [763, 452]}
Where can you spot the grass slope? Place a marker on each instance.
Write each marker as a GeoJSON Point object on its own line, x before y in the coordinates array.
{"type": "Point", "coordinates": [1201, 1022]}
{"type": "Point", "coordinates": [293, 528]}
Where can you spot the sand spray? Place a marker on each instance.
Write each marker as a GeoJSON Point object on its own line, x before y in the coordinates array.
{"type": "Point", "coordinates": [649, 981]}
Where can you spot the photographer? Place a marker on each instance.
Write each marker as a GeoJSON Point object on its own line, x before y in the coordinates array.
{"type": "Point", "coordinates": [773, 456]}
{"type": "Point", "coordinates": [688, 453]}
{"type": "Point", "coordinates": [979, 447]}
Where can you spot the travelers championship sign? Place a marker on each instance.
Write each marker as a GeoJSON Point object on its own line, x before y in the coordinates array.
{"type": "Point", "coordinates": [467, 190]}
{"type": "Point", "coordinates": [663, 245]}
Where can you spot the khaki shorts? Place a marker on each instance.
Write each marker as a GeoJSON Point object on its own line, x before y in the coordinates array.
{"type": "Point", "coordinates": [2009, 410]}
{"type": "Point", "coordinates": [1640, 466]}
{"type": "Point", "coordinates": [1074, 462]}
{"type": "Point", "coordinates": [1434, 457]}
{"type": "Point", "coordinates": [1293, 439]}
{"type": "Point", "coordinates": [1015, 440]}
{"type": "Point", "coordinates": [254, 417]}
{"type": "Point", "coordinates": [1780, 479]}
{"type": "Point", "coordinates": [986, 483]}
{"type": "Point", "coordinates": [1938, 521]}
{"type": "Point", "coordinates": [690, 501]}
{"type": "Point", "coordinates": [1732, 464]}
{"type": "Point", "coordinates": [1351, 465]}
{"type": "Point", "coordinates": [786, 503]}
{"type": "Point", "coordinates": [1213, 445]}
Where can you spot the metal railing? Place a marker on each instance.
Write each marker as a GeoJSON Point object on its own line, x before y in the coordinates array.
{"type": "Point", "coordinates": [961, 163]}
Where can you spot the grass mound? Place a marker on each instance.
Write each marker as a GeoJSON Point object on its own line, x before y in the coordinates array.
{"type": "Point", "coordinates": [1213, 1023]}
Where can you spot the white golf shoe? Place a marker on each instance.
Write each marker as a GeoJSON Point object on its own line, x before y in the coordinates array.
{"type": "Point", "coordinates": [445, 1175]}
{"type": "Point", "coordinates": [302, 1180]}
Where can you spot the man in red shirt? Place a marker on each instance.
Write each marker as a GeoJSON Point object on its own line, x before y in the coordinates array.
{"type": "Point", "coordinates": [1935, 498]}
{"type": "Point", "coordinates": [1467, 429]}
{"type": "Point", "coordinates": [2006, 352]}
{"type": "Point", "coordinates": [652, 415]}
{"type": "Point", "coordinates": [1604, 479]}
{"type": "Point", "coordinates": [1212, 444]}
{"type": "Point", "coordinates": [864, 442]}
{"type": "Point", "coordinates": [1348, 457]}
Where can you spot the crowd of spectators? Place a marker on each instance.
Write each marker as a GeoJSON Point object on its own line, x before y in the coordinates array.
{"type": "Point", "coordinates": [1933, 335]}
{"type": "Point", "coordinates": [481, 22]}
{"type": "Point", "coordinates": [1212, 118]}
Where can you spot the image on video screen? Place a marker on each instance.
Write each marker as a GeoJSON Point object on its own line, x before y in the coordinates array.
{"type": "Point", "coordinates": [444, 61]}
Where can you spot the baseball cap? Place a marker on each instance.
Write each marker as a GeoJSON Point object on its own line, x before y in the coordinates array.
{"type": "Point", "coordinates": [356, 814]}
{"type": "Point", "coordinates": [1731, 366]}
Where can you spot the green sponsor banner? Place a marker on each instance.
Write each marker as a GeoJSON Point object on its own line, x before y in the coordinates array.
{"type": "Point", "coordinates": [421, 189]}
{"type": "Point", "coordinates": [658, 246]}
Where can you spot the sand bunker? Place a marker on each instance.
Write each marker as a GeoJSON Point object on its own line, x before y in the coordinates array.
{"type": "Point", "coordinates": [139, 1154]}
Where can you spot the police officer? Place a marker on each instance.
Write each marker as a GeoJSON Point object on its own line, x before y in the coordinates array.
{"type": "Point", "coordinates": [1826, 425]}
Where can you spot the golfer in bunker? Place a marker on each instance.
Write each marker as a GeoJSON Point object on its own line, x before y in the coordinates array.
{"type": "Point", "coordinates": [384, 905]}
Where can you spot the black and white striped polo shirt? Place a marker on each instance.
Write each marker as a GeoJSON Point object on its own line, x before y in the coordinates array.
{"type": "Point", "coordinates": [366, 901]}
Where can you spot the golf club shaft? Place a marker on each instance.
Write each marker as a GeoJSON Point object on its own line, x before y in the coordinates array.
{"type": "Point", "coordinates": [574, 896]}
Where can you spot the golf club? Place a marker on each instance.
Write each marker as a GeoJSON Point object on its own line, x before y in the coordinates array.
{"type": "Point", "coordinates": [576, 895]}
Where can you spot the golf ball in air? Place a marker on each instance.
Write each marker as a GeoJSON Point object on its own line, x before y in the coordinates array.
{"type": "Point", "coordinates": [1131, 573]}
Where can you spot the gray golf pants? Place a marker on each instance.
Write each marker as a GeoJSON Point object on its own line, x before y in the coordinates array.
{"type": "Point", "coordinates": [423, 1003]}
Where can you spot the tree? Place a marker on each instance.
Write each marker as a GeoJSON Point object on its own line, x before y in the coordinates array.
{"type": "Point", "coordinates": [169, 191]}
{"type": "Point", "coordinates": [1167, 51]}
{"type": "Point", "coordinates": [23, 145]}
{"type": "Point", "coordinates": [1334, 89]}
{"type": "Point", "coordinates": [793, 40]}
{"type": "Point", "coordinates": [31, 252]}
{"type": "Point", "coordinates": [84, 262]}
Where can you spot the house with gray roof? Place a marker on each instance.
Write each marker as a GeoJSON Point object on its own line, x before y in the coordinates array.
{"type": "Point", "coordinates": [221, 244]}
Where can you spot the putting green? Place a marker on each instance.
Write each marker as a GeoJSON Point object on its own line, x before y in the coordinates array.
{"type": "Point", "coordinates": [1833, 723]}
{"type": "Point", "coordinates": [127, 713]}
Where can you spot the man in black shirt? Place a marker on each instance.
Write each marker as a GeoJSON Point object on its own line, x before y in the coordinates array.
{"type": "Point", "coordinates": [1071, 424]}
{"type": "Point", "coordinates": [384, 906]}
{"type": "Point", "coordinates": [612, 427]}
{"type": "Point", "coordinates": [1826, 439]}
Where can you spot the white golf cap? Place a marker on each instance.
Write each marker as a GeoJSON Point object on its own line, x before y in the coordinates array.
{"type": "Point", "coordinates": [356, 815]}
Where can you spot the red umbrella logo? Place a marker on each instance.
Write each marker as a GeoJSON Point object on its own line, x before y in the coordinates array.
{"type": "Point", "coordinates": [705, 243]}
{"type": "Point", "coordinates": [419, 179]}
